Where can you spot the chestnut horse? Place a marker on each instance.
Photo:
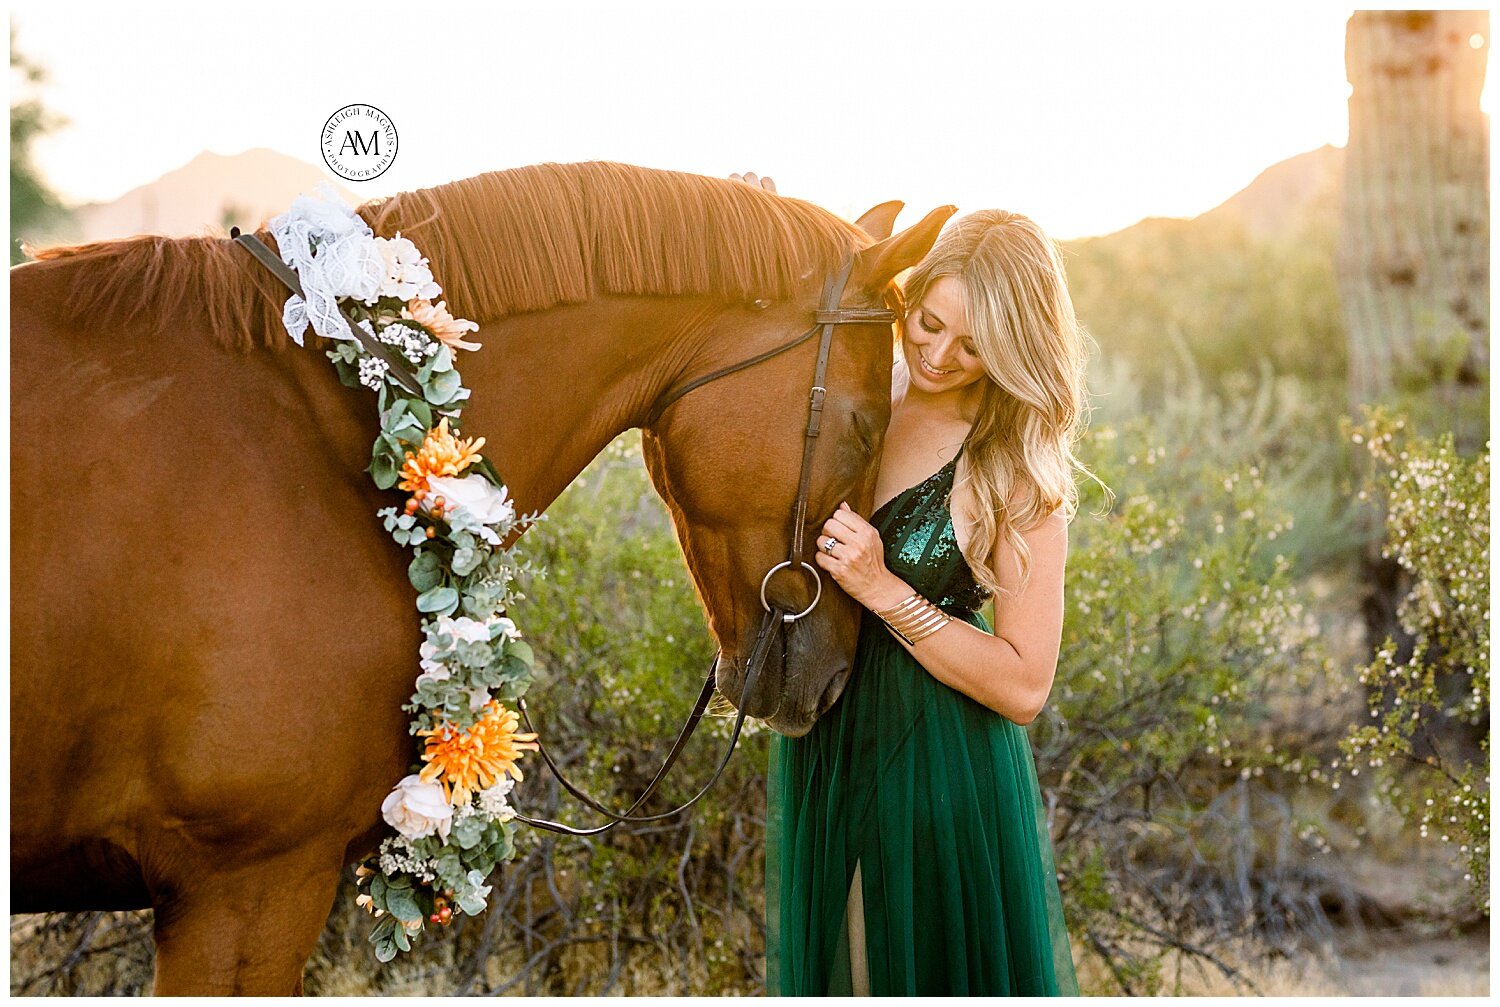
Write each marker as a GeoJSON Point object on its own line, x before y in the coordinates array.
{"type": "Point", "coordinates": [212, 635]}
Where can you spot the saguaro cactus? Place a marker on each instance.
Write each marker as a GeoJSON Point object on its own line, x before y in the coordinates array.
{"type": "Point", "coordinates": [1413, 255]}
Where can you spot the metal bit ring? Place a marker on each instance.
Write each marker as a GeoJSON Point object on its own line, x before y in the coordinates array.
{"type": "Point", "coordinates": [817, 579]}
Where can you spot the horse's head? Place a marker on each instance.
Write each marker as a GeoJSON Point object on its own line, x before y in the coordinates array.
{"type": "Point", "coordinates": [726, 459]}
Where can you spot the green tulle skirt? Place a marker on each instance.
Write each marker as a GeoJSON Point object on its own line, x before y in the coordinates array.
{"type": "Point", "coordinates": [907, 847]}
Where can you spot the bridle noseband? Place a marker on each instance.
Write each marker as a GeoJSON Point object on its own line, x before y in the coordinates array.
{"type": "Point", "coordinates": [825, 318]}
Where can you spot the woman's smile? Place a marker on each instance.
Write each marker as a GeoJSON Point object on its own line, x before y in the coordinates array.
{"type": "Point", "coordinates": [927, 366]}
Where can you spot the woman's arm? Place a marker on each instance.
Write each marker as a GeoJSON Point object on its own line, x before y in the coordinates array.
{"type": "Point", "coordinates": [1010, 671]}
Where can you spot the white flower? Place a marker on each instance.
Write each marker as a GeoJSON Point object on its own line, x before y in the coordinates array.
{"type": "Point", "coordinates": [416, 809]}
{"type": "Point", "coordinates": [433, 670]}
{"type": "Point", "coordinates": [464, 628]}
{"type": "Point", "coordinates": [507, 625]}
{"type": "Point", "coordinates": [492, 800]}
{"type": "Point", "coordinates": [486, 502]}
{"type": "Point", "coordinates": [478, 696]}
{"type": "Point", "coordinates": [413, 343]}
{"type": "Point", "coordinates": [372, 372]}
{"type": "Point", "coordinates": [406, 272]}
{"type": "Point", "coordinates": [351, 266]}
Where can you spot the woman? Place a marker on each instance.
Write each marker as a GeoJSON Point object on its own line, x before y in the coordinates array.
{"type": "Point", "coordinates": [907, 849]}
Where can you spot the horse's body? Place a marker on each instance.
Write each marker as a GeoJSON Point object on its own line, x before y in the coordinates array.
{"type": "Point", "coordinates": [213, 635]}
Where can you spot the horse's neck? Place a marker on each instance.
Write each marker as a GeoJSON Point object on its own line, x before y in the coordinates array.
{"type": "Point", "coordinates": [551, 389]}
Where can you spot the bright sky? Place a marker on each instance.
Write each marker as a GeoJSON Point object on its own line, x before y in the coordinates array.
{"type": "Point", "coordinates": [1085, 117]}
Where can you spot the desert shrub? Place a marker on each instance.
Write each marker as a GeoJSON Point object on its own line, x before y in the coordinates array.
{"type": "Point", "coordinates": [1429, 693]}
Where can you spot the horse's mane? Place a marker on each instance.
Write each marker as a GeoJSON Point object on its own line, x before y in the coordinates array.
{"type": "Point", "coordinates": [499, 243]}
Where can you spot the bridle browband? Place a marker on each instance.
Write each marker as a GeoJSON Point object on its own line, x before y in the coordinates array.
{"type": "Point", "coordinates": [827, 315]}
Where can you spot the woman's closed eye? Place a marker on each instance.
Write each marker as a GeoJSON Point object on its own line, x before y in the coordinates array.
{"type": "Point", "coordinates": [926, 322]}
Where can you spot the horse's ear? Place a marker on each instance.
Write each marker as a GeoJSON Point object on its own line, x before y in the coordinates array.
{"type": "Point", "coordinates": [877, 221]}
{"type": "Point", "coordinates": [876, 266]}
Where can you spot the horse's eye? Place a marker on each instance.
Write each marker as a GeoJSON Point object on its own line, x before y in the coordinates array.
{"type": "Point", "coordinates": [862, 433]}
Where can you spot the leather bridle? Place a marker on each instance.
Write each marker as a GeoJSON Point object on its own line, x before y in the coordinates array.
{"type": "Point", "coordinates": [827, 315]}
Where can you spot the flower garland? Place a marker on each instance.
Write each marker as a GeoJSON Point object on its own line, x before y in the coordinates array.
{"type": "Point", "coordinates": [451, 814]}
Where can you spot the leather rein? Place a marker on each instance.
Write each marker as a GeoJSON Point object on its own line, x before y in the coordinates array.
{"type": "Point", "coordinates": [827, 315]}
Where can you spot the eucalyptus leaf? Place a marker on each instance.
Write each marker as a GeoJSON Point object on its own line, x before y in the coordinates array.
{"type": "Point", "coordinates": [437, 599]}
{"type": "Point", "coordinates": [425, 572]}
{"type": "Point", "coordinates": [402, 904]}
{"type": "Point", "coordinates": [383, 470]}
{"type": "Point", "coordinates": [442, 387]}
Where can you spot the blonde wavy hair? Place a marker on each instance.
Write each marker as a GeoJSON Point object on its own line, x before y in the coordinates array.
{"type": "Point", "coordinates": [1019, 454]}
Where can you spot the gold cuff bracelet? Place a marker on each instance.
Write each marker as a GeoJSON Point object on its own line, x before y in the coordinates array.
{"type": "Point", "coordinates": [914, 618]}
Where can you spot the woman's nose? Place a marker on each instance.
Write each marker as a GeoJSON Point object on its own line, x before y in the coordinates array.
{"type": "Point", "coordinates": [940, 352]}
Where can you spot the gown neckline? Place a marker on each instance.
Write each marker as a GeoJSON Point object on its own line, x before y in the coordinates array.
{"type": "Point", "coordinates": [912, 489]}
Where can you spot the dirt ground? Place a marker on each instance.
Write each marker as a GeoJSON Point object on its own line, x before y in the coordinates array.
{"type": "Point", "coordinates": [1372, 964]}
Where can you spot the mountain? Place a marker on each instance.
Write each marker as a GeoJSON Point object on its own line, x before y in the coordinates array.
{"type": "Point", "coordinates": [204, 196]}
{"type": "Point", "coordinates": [1250, 280]}
{"type": "Point", "coordinates": [1287, 195]}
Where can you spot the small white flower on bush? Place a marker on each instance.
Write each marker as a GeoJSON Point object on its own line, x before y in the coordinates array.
{"type": "Point", "coordinates": [416, 809]}
{"type": "Point", "coordinates": [475, 495]}
{"type": "Point", "coordinates": [508, 626]}
{"type": "Point", "coordinates": [406, 272]}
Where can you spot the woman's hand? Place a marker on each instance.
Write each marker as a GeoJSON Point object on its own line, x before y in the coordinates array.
{"type": "Point", "coordinates": [750, 178]}
{"type": "Point", "coordinates": [857, 561]}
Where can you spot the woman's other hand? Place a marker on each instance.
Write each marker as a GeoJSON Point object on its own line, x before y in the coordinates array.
{"type": "Point", "coordinates": [751, 178]}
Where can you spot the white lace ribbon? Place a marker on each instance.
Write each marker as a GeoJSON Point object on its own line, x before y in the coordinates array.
{"type": "Point", "coordinates": [335, 255]}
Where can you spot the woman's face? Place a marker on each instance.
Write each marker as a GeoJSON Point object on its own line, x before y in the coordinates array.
{"type": "Point", "coordinates": [939, 349]}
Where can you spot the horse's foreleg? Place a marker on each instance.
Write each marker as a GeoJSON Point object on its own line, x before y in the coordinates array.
{"type": "Point", "coordinates": [247, 929]}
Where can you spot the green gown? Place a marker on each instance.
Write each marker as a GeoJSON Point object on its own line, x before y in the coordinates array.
{"type": "Point", "coordinates": [907, 850]}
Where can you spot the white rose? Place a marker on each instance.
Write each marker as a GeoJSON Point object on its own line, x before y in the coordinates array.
{"type": "Point", "coordinates": [416, 809]}
{"type": "Point", "coordinates": [478, 696]}
{"type": "Point", "coordinates": [507, 626]}
{"type": "Point", "coordinates": [488, 503]}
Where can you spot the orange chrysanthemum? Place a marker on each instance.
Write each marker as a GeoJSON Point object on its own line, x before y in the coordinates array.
{"type": "Point", "coordinates": [465, 761]}
{"type": "Point", "coordinates": [441, 454]}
